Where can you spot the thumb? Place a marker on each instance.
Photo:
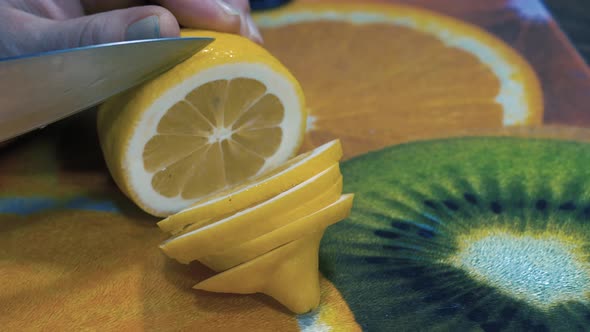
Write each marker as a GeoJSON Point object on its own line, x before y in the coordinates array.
{"type": "Point", "coordinates": [144, 22]}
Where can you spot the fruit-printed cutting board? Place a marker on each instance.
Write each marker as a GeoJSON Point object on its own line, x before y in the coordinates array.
{"type": "Point", "coordinates": [76, 254]}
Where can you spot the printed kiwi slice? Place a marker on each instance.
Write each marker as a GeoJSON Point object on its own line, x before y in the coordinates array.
{"type": "Point", "coordinates": [466, 234]}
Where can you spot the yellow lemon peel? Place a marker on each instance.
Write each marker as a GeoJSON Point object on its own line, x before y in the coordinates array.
{"type": "Point", "coordinates": [230, 112]}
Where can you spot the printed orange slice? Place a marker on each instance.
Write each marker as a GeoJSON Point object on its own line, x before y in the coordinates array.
{"type": "Point", "coordinates": [376, 74]}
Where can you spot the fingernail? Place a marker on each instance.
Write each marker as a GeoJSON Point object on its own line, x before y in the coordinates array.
{"type": "Point", "coordinates": [146, 28]}
{"type": "Point", "coordinates": [227, 8]}
{"type": "Point", "coordinates": [253, 32]}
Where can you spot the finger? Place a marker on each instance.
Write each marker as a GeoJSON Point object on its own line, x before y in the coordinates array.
{"type": "Point", "coordinates": [247, 27]}
{"type": "Point", "coordinates": [14, 40]}
{"type": "Point", "coordinates": [215, 15]}
{"type": "Point", "coordinates": [55, 9]}
{"type": "Point", "coordinates": [144, 22]}
{"type": "Point", "coordinates": [241, 5]}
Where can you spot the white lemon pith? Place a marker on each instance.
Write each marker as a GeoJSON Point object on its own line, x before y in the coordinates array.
{"type": "Point", "coordinates": [227, 114]}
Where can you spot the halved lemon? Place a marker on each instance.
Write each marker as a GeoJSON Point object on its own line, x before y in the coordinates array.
{"type": "Point", "coordinates": [380, 74]}
{"type": "Point", "coordinates": [255, 190]}
{"type": "Point", "coordinates": [258, 220]}
{"type": "Point", "coordinates": [230, 112]}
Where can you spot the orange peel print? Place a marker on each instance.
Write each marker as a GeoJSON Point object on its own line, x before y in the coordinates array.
{"type": "Point", "coordinates": [376, 75]}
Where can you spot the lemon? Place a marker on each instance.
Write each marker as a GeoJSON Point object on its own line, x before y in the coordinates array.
{"type": "Point", "coordinates": [228, 113]}
{"type": "Point", "coordinates": [256, 189]}
{"type": "Point", "coordinates": [287, 269]}
{"type": "Point", "coordinates": [289, 274]}
{"type": "Point", "coordinates": [297, 202]}
{"type": "Point", "coordinates": [314, 222]}
{"type": "Point", "coordinates": [314, 201]}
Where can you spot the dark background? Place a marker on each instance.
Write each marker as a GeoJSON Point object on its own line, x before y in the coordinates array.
{"type": "Point", "coordinates": [574, 18]}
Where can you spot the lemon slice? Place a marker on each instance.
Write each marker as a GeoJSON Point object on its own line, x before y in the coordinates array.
{"type": "Point", "coordinates": [230, 112]}
{"type": "Point", "coordinates": [315, 222]}
{"type": "Point", "coordinates": [289, 274]}
{"type": "Point", "coordinates": [255, 190]}
{"type": "Point", "coordinates": [313, 202]}
{"type": "Point", "coordinates": [255, 221]}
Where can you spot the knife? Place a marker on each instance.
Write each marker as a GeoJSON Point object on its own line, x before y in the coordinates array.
{"type": "Point", "coordinates": [39, 89]}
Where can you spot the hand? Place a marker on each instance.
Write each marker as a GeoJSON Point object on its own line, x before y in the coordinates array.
{"type": "Point", "coordinates": [30, 26]}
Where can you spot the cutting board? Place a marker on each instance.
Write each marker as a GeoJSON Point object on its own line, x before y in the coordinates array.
{"type": "Point", "coordinates": [76, 254]}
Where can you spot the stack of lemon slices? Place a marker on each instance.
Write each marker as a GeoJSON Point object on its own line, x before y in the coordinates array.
{"type": "Point", "coordinates": [264, 235]}
{"type": "Point", "coordinates": [210, 145]}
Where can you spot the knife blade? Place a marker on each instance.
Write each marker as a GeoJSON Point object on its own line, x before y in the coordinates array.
{"type": "Point", "coordinates": [39, 89]}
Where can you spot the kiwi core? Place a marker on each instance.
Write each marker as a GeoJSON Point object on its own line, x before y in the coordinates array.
{"type": "Point", "coordinates": [542, 271]}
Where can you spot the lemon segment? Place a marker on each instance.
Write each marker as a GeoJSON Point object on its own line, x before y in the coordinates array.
{"type": "Point", "coordinates": [255, 221]}
{"type": "Point", "coordinates": [228, 113]}
{"type": "Point", "coordinates": [314, 222]}
{"type": "Point", "coordinates": [255, 190]}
